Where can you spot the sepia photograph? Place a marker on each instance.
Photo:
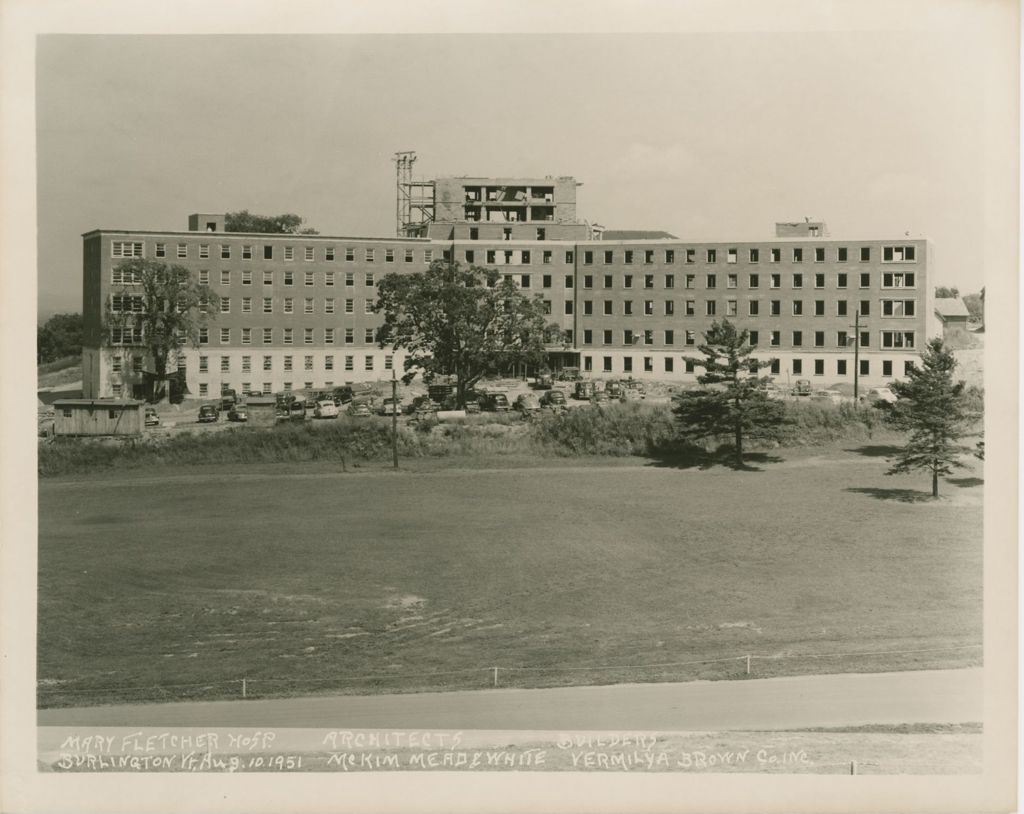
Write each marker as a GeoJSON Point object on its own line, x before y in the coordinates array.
{"type": "Point", "coordinates": [589, 406]}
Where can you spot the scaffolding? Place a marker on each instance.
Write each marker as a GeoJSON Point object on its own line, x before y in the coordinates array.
{"type": "Point", "coordinates": [414, 200]}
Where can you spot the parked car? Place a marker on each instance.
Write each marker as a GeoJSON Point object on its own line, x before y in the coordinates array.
{"type": "Point", "coordinates": [631, 394]}
{"type": "Point", "coordinates": [600, 399]}
{"type": "Point", "coordinates": [802, 387]}
{"type": "Point", "coordinates": [542, 383]}
{"type": "Point", "coordinates": [527, 404]}
{"type": "Point", "coordinates": [553, 398]}
{"type": "Point", "coordinates": [880, 394]}
{"type": "Point", "coordinates": [297, 410]}
{"type": "Point", "coordinates": [343, 395]}
{"type": "Point", "coordinates": [494, 403]}
{"type": "Point", "coordinates": [208, 413]}
{"type": "Point", "coordinates": [613, 390]}
{"type": "Point", "coordinates": [583, 391]}
{"type": "Point", "coordinates": [228, 399]}
{"type": "Point", "coordinates": [325, 409]}
{"type": "Point", "coordinates": [423, 404]}
{"type": "Point", "coordinates": [637, 387]}
{"type": "Point", "coordinates": [391, 406]}
{"type": "Point", "coordinates": [359, 409]}
{"type": "Point", "coordinates": [238, 413]}
{"type": "Point", "coordinates": [152, 419]}
{"type": "Point", "coordinates": [833, 396]}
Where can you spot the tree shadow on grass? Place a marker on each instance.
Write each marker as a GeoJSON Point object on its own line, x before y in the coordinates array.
{"type": "Point", "coordinates": [699, 458]}
{"type": "Point", "coordinates": [899, 495]}
{"type": "Point", "coordinates": [876, 450]}
{"type": "Point", "coordinates": [966, 482]}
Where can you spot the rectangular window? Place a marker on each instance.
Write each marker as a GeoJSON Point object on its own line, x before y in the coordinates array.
{"type": "Point", "coordinates": [819, 367]}
{"type": "Point", "coordinates": [865, 308]}
{"type": "Point", "coordinates": [350, 362]}
{"type": "Point", "coordinates": [247, 252]}
{"type": "Point", "coordinates": [730, 308]}
{"type": "Point", "coordinates": [897, 339]}
{"type": "Point", "coordinates": [308, 278]}
{"type": "Point", "coordinates": [865, 339]}
{"type": "Point", "coordinates": [328, 336]}
{"type": "Point", "coordinates": [731, 255]}
{"type": "Point", "coordinates": [731, 281]}
{"type": "Point", "coordinates": [225, 364]}
{"type": "Point", "coordinates": [627, 364]}
{"type": "Point", "coordinates": [289, 278]}
{"type": "Point", "coordinates": [329, 278]}
{"type": "Point", "coordinates": [389, 255]}
{"type": "Point", "coordinates": [289, 253]}
{"type": "Point", "coordinates": [204, 277]}
{"type": "Point", "coordinates": [369, 255]}
{"type": "Point", "coordinates": [627, 337]}
{"type": "Point", "coordinates": [588, 258]}
{"type": "Point", "coordinates": [246, 364]}
{"type": "Point", "coordinates": [289, 305]}
{"type": "Point", "coordinates": [428, 255]}
{"type": "Point", "coordinates": [648, 281]}
{"type": "Point", "coordinates": [307, 305]}
{"type": "Point", "coordinates": [246, 305]}
{"type": "Point", "coordinates": [350, 306]}
{"type": "Point", "coordinates": [568, 281]}
{"type": "Point", "coordinates": [268, 362]}
{"type": "Point", "coordinates": [246, 336]}
{"type": "Point", "coordinates": [670, 308]}
{"type": "Point", "coordinates": [648, 256]}
{"type": "Point", "coordinates": [368, 362]}
{"type": "Point", "coordinates": [670, 337]}
{"type": "Point", "coordinates": [691, 255]}
{"type": "Point", "coordinates": [898, 279]}
{"type": "Point", "coordinates": [668, 364]}
{"type": "Point", "coordinates": [368, 279]}
{"type": "Point", "coordinates": [182, 250]}
{"type": "Point", "coordinates": [712, 255]}
{"type": "Point", "coordinates": [568, 258]}
{"type": "Point", "coordinates": [328, 362]}
{"type": "Point", "coordinates": [775, 307]}
{"type": "Point", "coordinates": [628, 257]}
{"type": "Point", "coordinates": [753, 337]}
{"type": "Point", "coordinates": [819, 280]}
{"type": "Point", "coordinates": [607, 337]}
{"type": "Point", "coordinates": [711, 281]}
{"type": "Point", "coordinates": [774, 367]}
{"type": "Point", "coordinates": [840, 367]}
{"type": "Point", "coordinates": [776, 256]}
{"type": "Point", "coordinates": [588, 336]}
{"type": "Point", "coordinates": [470, 256]}
{"type": "Point", "coordinates": [691, 308]}
{"type": "Point", "coordinates": [627, 308]}
{"type": "Point", "coordinates": [670, 256]}
{"type": "Point", "coordinates": [648, 308]}
{"type": "Point", "coordinates": [798, 366]}
{"type": "Point", "coordinates": [246, 278]}
{"type": "Point", "coordinates": [841, 281]}
{"type": "Point", "coordinates": [670, 281]}
{"type": "Point", "coordinates": [568, 306]}
{"type": "Point", "coordinates": [268, 305]}
{"type": "Point", "coordinates": [754, 281]}
{"type": "Point", "coordinates": [798, 339]}
{"type": "Point", "coordinates": [367, 306]}
{"type": "Point", "coordinates": [308, 363]}
{"type": "Point", "coordinates": [225, 305]}
{"type": "Point", "coordinates": [841, 254]}
{"type": "Point", "coordinates": [819, 339]}
{"type": "Point", "coordinates": [865, 367]}
{"type": "Point", "coordinates": [819, 255]}
{"type": "Point", "coordinates": [648, 337]}
{"type": "Point", "coordinates": [329, 305]}
{"type": "Point", "coordinates": [898, 308]}
{"type": "Point", "coordinates": [524, 280]}
{"type": "Point", "coordinates": [225, 336]}
{"type": "Point", "coordinates": [899, 254]}
{"type": "Point", "coordinates": [798, 281]}
{"type": "Point", "coordinates": [842, 339]}
{"type": "Point", "coordinates": [819, 308]}
{"type": "Point", "coordinates": [776, 340]}
{"type": "Point", "coordinates": [350, 336]}
{"type": "Point", "coordinates": [754, 256]}
{"type": "Point", "coordinates": [798, 255]}
{"type": "Point", "coordinates": [691, 338]}
{"type": "Point", "coordinates": [709, 307]}
{"type": "Point", "coordinates": [307, 336]}
{"type": "Point", "coordinates": [865, 254]}
{"type": "Point", "coordinates": [225, 277]}
{"type": "Point", "coordinates": [350, 278]}
{"type": "Point", "coordinates": [161, 250]}
{"type": "Point", "coordinates": [268, 252]}
{"type": "Point", "coordinates": [775, 281]}
{"type": "Point", "coordinates": [408, 255]}
{"type": "Point", "coordinates": [841, 308]}
{"type": "Point", "coordinates": [204, 251]}
{"type": "Point", "coordinates": [328, 253]}
{"type": "Point", "coordinates": [268, 336]}
{"type": "Point", "coordinates": [588, 308]}
{"type": "Point", "coordinates": [753, 307]}
{"type": "Point", "coordinates": [798, 308]}
{"type": "Point", "coordinates": [389, 362]}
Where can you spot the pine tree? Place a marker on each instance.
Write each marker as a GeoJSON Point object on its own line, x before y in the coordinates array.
{"type": "Point", "coordinates": [931, 407]}
{"type": "Point", "coordinates": [732, 399]}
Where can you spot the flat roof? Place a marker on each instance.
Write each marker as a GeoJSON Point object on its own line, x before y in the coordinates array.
{"type": "Point", "coordinates": [255, 235]}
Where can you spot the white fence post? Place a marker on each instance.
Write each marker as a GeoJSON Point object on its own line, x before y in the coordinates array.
{"type": "Point", "coordinates": [243, 688]}
{"type": "Point", "coordinates": [748, 665]}
{"type": "Point", "coordinates": [495, 676]}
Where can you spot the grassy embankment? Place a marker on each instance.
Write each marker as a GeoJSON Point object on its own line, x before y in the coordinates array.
{"type": "Point", "coordinates": [619, 430]}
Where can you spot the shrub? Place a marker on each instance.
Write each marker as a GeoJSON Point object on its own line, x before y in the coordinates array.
{"type": "Point", "coordinates": [618, 429]}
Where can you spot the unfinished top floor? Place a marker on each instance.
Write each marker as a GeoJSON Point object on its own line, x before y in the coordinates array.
{"type": "Point", "coordinates": [505, 200]}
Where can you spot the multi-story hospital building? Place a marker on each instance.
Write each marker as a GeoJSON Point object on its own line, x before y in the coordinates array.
{"type": "Point", "coordinates": [296, 310]}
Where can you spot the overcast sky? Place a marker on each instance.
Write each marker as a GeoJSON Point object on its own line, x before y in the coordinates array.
{"type": "Point", "coordinates": [708, 136]}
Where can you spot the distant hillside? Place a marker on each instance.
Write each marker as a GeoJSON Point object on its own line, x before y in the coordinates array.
{"type": "Point", "coordinates": [63, 371]}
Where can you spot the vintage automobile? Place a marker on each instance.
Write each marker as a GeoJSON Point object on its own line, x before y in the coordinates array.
{"type": "Point", "coordinates": [208, 413]}
{"type": "Point", "coordinates": [152, 419]}
{"type": "Point", "coordinates": [326, 408]}
{"type": "Point", "coordinates": [553, 398]}
{"type": "Point", "coordinates": [527, 404]}
{"type": "Point", "coordinates": [359, 409]}
{"type": "Point", "coordinates": [238, 413]}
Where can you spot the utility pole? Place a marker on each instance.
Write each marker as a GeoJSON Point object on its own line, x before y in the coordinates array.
{"type": "Point", "coordinates": [856, 356]}
{"type": "Point", "coordinates": [394, 417]}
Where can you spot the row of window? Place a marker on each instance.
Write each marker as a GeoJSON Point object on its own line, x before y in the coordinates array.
{"type": "Point", "coordinates": [843, 339]}
{"type": "Point", "coordinates": [890, 254]}
{"type": "Point", "coordinates": [266, 388]}
{"type": "Point", "coordinates": [889, 308]}
{"type": "Point", "coordinates": [288, 363]}
{"type": "Point", "coordinates": [797, 280]}
{"type": "Point", "coordinates": [288, 305]}
{"type": "Point", "coordinates": [134, 336]}
{"type": "Point", "coordinates": [796, 366]}
{"type": "Point", "coordinates": [131, 249]}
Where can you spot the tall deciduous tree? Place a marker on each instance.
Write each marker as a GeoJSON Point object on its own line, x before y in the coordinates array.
{"type": "Point", "coordinates": [467, 322]}
{"type": "Point", "coordinates": [947, 293]}
{"type": "Point", "coordinates": [160, 308]}
{"type": "Point", "coordinates": [59, 336]}
{"type": "Point", "coordinates": [932, 408]}
{"type": "Point", "coordinates": [732, 400]}
{"type": "Point", "coordinates": [287, 224]}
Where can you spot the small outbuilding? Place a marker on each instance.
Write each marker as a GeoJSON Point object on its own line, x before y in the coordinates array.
{"type": "Point", "coordinates": [262, 410]}
{"type": "Point", "coordinates": [98, 417]}
{"type": "Point", "coordinates": [953, 316]}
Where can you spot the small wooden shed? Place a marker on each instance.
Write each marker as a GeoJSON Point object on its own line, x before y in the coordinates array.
{"type": "Point", "coordinates": [98, 417]}
{"type": "Point", "coordinates": [953, 316]}
{"type": "Point", "coordinates": [261, 410]}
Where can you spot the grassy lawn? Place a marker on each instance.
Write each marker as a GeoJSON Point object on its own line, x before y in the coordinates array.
{"type": "Point", "coordinates": [304, 579]}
